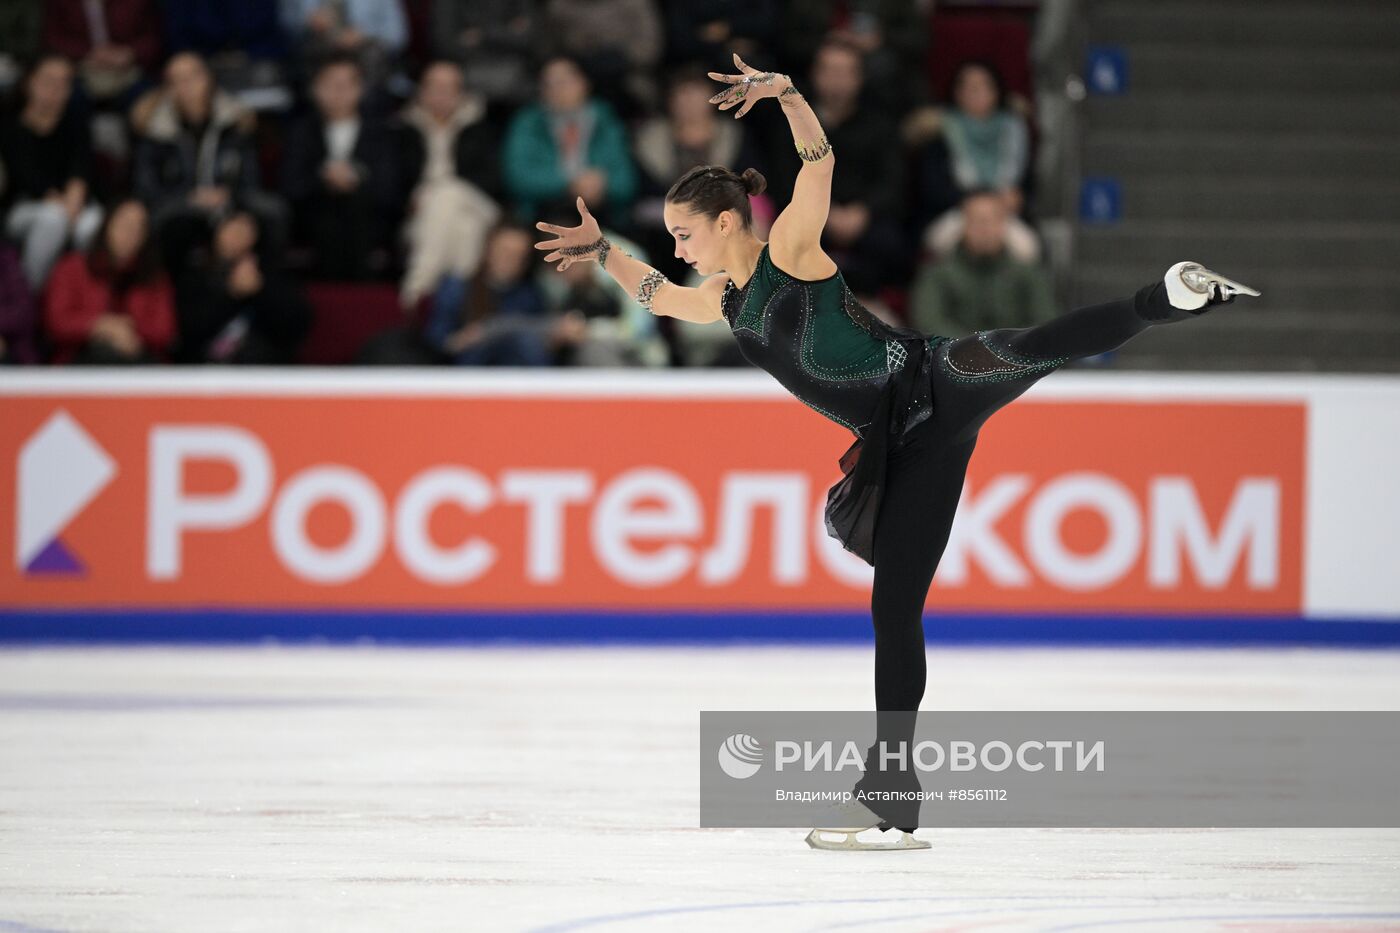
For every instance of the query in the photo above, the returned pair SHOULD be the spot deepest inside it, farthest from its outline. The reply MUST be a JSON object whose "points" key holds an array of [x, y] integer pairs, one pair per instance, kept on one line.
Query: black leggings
{"points": [[973, 376]]}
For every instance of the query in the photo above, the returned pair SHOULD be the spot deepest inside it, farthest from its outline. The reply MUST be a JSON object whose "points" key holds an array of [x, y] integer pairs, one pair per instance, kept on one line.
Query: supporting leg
{"points": [[924, 480]]}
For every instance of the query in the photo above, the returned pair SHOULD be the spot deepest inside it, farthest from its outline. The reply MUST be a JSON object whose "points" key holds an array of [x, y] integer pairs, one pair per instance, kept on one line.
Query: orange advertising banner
{"points": [[611, 501]]}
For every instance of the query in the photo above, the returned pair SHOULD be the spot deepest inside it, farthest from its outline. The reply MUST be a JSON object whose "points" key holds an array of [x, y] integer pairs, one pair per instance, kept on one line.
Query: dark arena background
{"points": [[363, 571]]}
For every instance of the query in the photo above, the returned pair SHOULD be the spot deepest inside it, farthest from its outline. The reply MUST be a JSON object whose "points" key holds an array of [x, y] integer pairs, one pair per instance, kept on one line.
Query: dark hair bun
{"points": [[754, 182]]}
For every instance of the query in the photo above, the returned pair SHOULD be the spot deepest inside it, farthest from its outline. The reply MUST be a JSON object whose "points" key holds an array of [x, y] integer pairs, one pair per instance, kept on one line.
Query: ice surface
{"points": [[516, 788]]}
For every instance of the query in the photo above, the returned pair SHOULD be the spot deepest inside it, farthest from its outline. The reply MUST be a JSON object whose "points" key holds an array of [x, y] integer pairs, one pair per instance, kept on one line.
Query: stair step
{"points": [[1283, 338], [1327, 291], [1376, 115], [1289, 153], [1260, 137], [1189, 66], [1215, 199], [1374, 24], [1242, 247]]}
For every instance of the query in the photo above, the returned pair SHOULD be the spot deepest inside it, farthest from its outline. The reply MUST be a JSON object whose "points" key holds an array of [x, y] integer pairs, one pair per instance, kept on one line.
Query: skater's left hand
{"points": [[748, 87]]}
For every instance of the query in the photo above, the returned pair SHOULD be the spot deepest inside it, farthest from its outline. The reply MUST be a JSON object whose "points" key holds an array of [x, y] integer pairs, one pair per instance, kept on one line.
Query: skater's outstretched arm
{"points": [[586, 243], [794, 241]]}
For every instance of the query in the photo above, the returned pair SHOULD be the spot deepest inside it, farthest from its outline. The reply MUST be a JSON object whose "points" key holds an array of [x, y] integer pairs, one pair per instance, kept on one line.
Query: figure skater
{"points": [[914, 402]]}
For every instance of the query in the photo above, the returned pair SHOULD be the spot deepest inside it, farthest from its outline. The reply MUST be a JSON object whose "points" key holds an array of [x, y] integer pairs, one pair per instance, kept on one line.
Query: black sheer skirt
{"points": [[853, 503]]}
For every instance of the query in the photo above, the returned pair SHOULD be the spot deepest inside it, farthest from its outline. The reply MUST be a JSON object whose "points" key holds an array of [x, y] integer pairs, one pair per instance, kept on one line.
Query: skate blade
{"points": [[850, 843], [1237, 288]]}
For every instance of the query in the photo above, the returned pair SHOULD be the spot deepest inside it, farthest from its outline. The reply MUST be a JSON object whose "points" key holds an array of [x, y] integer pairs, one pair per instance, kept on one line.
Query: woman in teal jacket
{"points": [[568, 145]]}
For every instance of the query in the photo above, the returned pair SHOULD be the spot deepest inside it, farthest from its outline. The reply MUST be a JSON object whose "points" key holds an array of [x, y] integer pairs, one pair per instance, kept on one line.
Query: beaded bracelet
{"points": [[646, 291], [813, 151], [600, 246]]}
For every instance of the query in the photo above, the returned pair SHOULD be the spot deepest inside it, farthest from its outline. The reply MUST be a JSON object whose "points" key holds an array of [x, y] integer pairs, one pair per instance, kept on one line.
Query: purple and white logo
{"points": [[61, 470]]}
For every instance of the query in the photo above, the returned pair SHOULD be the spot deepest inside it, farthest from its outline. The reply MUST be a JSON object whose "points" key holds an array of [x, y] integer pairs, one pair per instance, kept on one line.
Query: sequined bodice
{"points": [[816, 339]]}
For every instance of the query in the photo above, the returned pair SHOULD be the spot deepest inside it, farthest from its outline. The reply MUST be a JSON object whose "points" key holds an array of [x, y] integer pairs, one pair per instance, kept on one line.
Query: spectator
{"points": [[112, 304], [890, 35], [47, 158], [17, 317], [116, 42], [982, 286], [568, 145], [242, 44], [499, 318], [982, 143], [235, 307], [611, 331], [451, 157], [691, 133], [493, 42], [709, 31], [374, 31], [617, 43], [340, 175], [612, 328], [864, 222], [195, 162]]}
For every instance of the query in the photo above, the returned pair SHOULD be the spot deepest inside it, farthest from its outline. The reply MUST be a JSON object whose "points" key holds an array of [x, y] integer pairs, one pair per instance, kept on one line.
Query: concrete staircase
{"points": [[1262, 138]]}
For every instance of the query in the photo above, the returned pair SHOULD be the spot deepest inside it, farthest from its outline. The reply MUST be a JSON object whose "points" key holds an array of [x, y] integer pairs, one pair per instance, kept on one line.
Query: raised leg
{"points": [[980, 373]]}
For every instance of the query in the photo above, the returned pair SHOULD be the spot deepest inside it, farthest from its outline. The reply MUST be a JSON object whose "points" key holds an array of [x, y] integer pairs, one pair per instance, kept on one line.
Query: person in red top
{"points": [[112, 304]]}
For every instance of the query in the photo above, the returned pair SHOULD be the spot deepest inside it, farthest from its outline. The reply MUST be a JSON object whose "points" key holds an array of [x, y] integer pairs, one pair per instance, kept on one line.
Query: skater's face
{"points": [[699, 240]]}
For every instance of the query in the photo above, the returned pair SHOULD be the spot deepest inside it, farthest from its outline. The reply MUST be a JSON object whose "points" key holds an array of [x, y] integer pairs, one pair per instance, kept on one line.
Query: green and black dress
{"points": [[838, 358]]}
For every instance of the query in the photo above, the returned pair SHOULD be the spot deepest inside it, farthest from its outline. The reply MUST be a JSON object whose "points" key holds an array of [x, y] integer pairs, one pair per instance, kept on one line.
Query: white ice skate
{"points": [[1191, 286], [859, 819]]}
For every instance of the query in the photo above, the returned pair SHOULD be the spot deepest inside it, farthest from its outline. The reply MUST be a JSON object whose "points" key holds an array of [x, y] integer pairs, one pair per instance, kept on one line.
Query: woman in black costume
{"points": [[914, 402]]}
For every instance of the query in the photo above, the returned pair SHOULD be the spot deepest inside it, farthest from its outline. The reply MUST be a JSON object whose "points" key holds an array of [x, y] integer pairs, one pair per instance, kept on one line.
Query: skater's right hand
{"points": [[570, 245], [747, 87]]}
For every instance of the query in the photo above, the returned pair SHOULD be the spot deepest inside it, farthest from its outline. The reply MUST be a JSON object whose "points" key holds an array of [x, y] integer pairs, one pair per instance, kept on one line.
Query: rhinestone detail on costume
{"points": [[977, 359], [815, 339]]}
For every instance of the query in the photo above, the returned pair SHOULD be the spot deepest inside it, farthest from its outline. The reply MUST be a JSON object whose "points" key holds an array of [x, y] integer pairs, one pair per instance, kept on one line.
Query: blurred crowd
{"points": [[177, 177]]}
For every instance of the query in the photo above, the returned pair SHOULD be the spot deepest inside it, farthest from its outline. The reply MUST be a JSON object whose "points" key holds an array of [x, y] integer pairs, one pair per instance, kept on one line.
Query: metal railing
{"points": [[1057, 54]]}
